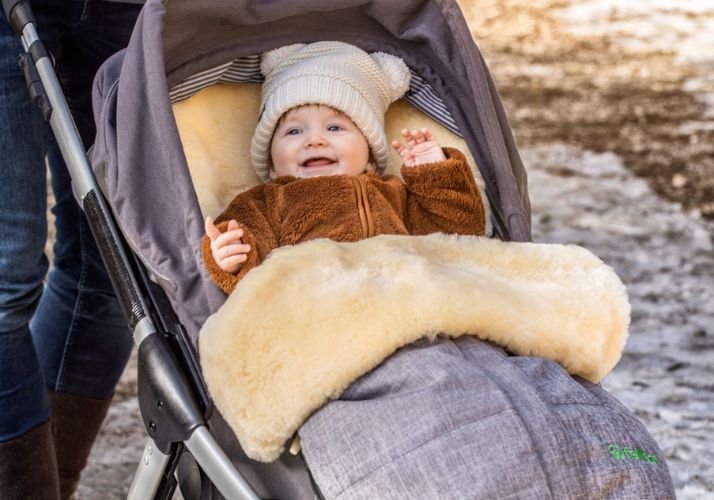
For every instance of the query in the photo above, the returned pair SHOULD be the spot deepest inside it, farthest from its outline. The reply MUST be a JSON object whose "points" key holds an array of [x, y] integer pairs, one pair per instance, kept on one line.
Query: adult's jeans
{"points": [[71, 335]]}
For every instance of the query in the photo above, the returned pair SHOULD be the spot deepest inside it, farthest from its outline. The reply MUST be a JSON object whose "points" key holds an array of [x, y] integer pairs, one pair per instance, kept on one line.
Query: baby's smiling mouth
{"points": [[318, 161]]}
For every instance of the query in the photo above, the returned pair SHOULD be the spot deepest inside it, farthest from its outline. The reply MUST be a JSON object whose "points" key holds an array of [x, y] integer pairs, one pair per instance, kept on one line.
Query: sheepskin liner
{"points": [[314, 317]]}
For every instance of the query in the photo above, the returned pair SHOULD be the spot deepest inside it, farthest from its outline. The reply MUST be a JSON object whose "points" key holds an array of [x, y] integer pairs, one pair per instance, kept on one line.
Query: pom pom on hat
{"points": [[335, 74], [396, 73], [271, 59]]}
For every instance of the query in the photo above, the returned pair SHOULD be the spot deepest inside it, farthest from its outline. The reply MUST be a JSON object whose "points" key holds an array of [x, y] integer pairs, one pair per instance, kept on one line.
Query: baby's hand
{"points": [[227, 248], [421, 147]]}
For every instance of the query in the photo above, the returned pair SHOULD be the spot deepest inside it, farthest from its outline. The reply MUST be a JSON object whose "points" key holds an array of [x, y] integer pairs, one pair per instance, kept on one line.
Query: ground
{"points": [[632, 78], [612, 105]]}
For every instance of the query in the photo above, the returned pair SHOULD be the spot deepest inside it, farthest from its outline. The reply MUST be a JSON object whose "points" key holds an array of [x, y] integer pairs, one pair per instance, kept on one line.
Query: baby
{"points": [[321, 146]]}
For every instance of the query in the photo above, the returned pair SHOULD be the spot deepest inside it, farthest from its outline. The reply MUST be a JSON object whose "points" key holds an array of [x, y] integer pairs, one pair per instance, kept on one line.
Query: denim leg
{"points": [[104, 28], [23, 230], [80, 343], [79, 330]]}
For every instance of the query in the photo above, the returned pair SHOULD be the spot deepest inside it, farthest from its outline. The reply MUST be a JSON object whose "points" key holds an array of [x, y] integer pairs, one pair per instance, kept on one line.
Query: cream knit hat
{"points": [[335, 74]]}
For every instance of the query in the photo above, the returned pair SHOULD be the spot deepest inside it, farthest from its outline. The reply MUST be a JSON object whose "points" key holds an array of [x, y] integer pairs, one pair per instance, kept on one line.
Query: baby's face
{"points": [[317, 140]]}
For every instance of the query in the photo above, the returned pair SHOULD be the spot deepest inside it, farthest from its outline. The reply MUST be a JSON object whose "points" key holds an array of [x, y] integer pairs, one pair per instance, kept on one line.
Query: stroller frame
{"points": [[172, 404]]}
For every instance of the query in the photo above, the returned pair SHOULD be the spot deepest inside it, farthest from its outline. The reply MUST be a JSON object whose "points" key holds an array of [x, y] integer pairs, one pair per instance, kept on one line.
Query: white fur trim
{"points": [[314, 317]]}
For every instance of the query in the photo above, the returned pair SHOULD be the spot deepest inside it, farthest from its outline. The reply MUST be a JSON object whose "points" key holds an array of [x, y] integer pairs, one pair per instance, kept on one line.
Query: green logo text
{"points": [[622, 453]]}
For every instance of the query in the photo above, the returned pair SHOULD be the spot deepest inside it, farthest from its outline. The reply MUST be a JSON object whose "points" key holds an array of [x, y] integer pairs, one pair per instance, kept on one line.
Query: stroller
{"points": [[144, 204]]}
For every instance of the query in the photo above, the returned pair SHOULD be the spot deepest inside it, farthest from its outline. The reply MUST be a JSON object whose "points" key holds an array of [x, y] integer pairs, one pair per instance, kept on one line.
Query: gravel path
{"points": [[615, 123]]}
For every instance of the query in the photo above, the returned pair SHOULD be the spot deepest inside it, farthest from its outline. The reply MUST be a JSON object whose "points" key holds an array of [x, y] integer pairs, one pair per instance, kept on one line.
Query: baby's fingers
{"points": [[418, 136], [228, 238], [235, 259], [230, 250], [409, 137], [427, 134], [211, 230], [403, 151], [232, 264]]}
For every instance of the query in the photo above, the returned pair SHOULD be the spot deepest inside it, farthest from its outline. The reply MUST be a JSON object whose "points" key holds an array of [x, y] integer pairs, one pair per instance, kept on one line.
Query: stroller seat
{"points": [[444, 398], [151, 163]]}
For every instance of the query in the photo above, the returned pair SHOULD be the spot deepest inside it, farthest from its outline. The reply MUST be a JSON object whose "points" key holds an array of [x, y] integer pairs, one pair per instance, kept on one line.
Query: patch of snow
{"points": [[680, 26]]}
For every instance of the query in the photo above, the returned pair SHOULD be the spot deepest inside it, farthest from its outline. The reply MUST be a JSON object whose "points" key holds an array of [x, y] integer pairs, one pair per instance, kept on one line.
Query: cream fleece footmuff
{"points": [[314, 317], [216, 126]]}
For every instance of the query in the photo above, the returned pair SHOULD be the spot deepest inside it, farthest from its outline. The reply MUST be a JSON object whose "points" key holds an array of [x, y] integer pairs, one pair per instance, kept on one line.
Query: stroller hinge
{"points": [[32, 80], [169, 406]]}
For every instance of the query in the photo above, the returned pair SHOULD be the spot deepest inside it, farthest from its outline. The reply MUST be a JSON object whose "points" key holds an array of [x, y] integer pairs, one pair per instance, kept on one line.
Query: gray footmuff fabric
{"points": [[462, 419]]}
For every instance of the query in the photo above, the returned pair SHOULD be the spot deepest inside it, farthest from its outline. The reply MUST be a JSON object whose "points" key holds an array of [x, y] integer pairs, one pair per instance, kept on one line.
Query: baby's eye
{"points": [[292, 131], [334, 128]]}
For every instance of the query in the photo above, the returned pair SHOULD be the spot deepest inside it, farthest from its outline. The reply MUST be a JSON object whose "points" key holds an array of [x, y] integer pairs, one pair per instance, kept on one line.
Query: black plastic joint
{"points": [[37, 50], [18, 14], [168, 405], [35, 87]]}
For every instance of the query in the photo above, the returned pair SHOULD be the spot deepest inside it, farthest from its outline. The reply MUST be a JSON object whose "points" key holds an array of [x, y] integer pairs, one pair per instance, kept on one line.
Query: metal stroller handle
{"points": [[47, 93], [18, 13], [167, 383]]}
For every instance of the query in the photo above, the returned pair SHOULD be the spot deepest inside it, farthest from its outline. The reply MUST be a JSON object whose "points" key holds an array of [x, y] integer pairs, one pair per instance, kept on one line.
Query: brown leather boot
{"points": [[28, 468], [76, 422]]}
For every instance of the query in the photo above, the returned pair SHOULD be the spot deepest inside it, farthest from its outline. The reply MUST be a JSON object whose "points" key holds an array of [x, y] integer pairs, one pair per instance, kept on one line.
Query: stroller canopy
{"points": [[138, 157]]}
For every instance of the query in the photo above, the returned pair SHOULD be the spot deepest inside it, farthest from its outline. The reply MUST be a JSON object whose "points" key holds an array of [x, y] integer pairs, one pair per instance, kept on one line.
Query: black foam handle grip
{"points": [[18, 14], [118, 268]]}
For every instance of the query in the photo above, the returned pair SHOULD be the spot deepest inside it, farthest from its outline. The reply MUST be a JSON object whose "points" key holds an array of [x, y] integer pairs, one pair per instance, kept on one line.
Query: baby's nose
{"points": [[315, 140]]}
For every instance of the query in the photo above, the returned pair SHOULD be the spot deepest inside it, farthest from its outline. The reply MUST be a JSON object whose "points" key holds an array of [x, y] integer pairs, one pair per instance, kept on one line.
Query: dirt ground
{"points": [[613, 109], [593, 74]]}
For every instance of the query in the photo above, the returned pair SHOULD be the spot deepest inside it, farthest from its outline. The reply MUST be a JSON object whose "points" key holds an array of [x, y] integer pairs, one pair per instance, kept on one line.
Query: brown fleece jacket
{"points": [[439, 197]]}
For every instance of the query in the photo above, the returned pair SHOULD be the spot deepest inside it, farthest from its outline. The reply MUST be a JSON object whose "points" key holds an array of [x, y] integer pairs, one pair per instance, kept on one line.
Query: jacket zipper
{"points": [[363, 209]]}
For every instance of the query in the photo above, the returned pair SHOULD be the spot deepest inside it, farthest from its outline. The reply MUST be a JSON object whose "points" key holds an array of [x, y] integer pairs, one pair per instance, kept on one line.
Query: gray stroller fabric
{"points": [[463, 420], [138, 157]]}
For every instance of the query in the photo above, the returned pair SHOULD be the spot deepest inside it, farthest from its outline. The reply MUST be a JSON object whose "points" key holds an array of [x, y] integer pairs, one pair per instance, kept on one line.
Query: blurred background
{"points": [[612, 105]]}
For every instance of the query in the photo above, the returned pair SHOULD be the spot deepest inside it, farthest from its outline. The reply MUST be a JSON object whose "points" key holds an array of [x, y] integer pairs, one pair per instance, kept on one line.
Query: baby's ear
{"points": [[396, 73], [274, 57], [371, 164]]}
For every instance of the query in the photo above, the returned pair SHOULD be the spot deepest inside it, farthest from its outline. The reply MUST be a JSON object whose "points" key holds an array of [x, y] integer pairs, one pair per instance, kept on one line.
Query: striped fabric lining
{"points": [[247, 70]]}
